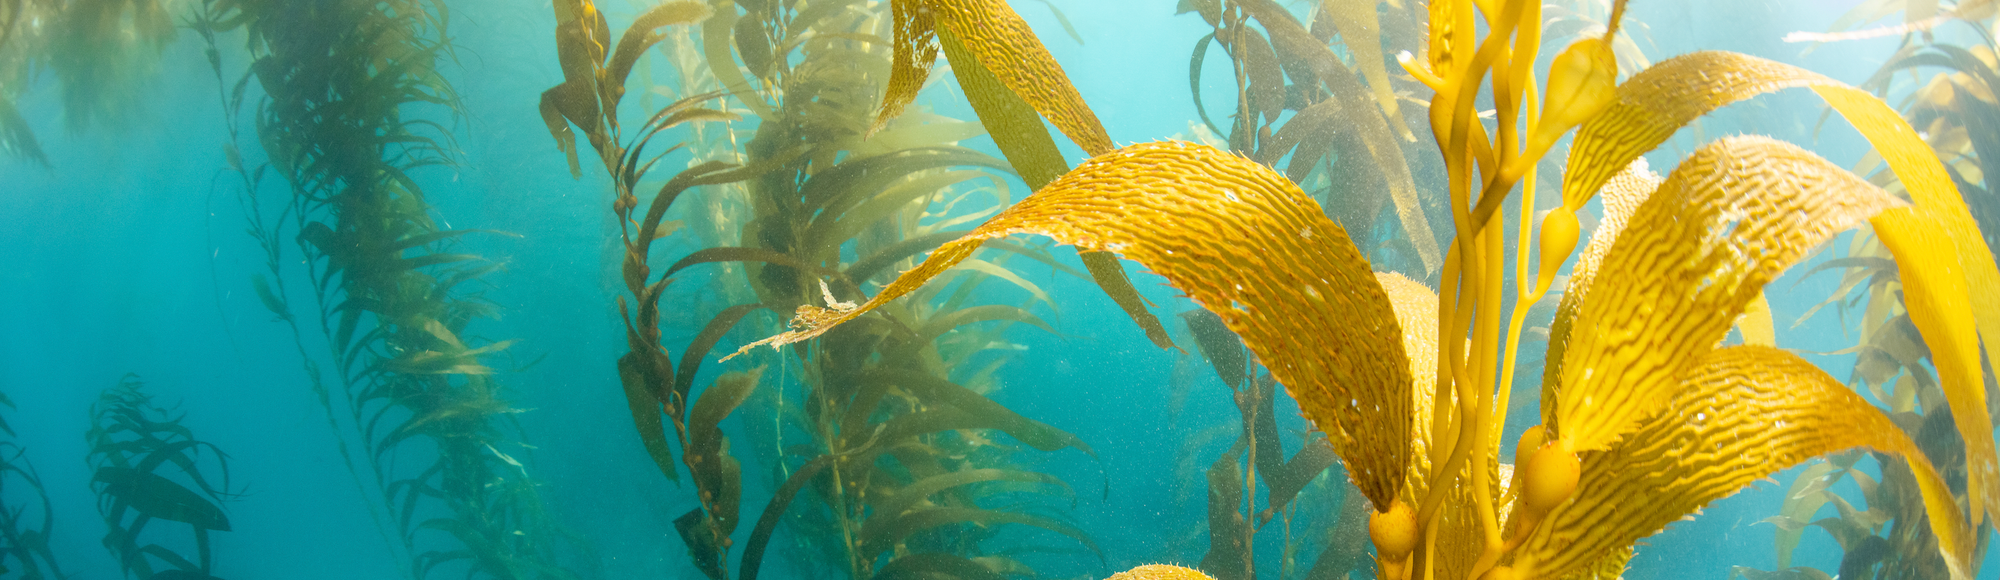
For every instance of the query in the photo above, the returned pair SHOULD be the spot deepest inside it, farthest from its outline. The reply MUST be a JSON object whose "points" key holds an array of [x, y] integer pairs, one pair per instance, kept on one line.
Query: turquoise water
{"points": [[127, 253]]}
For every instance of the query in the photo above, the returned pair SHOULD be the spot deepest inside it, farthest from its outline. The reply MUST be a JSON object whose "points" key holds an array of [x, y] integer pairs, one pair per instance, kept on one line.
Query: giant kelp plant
{"points": [[1645, 417], [881, 428], [342, 123], [147, 469]]}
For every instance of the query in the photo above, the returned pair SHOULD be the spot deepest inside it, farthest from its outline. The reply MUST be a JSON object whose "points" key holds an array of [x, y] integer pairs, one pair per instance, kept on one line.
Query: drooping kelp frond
{"points": [[1936, 230], [133, 441], [1464, 524], [24, 526], [1113, 202]]}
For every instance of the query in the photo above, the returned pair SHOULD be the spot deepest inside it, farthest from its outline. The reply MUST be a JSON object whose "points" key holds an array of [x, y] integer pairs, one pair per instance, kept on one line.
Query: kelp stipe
{"points": [[342, 125], [24, 525], [148, 469], [1613, 401], [885, 471]]}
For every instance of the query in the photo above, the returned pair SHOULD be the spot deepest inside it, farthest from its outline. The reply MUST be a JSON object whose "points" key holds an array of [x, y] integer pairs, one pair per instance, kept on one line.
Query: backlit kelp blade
{"points": [[1955, 296], [1250, 246], [1729, 219], [993, 34], [1741, 414]]}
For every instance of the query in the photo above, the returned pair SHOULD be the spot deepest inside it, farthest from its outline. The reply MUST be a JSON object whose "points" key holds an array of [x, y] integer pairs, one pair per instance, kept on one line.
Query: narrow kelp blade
{"points": [[1956, 294], [999, 39], [161, 498], [1248, 245], [1740, 414], [1729, 219]]}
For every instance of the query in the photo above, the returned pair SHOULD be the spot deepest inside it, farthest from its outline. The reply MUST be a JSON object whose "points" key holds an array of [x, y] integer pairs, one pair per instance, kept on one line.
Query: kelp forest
{"points": [[985, 290]]}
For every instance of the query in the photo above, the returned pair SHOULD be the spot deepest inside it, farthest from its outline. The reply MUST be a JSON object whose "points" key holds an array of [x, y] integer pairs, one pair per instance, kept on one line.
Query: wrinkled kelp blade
{"points": [[1247, 244], [1939, 231], [1003, 43], [1416, 307], [1729, 219], [915, 53], [1740, 414], [1622, 197]]}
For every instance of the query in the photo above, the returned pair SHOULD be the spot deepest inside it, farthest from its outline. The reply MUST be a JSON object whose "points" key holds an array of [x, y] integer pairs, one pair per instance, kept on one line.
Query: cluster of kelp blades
{"points": [[147, 468], [132, 442], [345, 85], [1953, 101], [1645, 418], [903, 488]]}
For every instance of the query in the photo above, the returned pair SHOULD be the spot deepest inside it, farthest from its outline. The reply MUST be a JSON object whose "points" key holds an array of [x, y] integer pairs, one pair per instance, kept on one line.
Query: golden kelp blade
{"points": [[1245, 242], [1160, 572], [1951, 283], [1657, 101], [1622, 197], [1738, 415], [991, 31], [1733, 216], [1416, 307]]}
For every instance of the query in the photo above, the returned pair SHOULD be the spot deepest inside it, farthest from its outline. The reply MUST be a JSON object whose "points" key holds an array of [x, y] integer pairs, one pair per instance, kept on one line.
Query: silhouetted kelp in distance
{"points": [[133, 442], [887, 459], [345, 84], [1645, 418], [24, 543]]}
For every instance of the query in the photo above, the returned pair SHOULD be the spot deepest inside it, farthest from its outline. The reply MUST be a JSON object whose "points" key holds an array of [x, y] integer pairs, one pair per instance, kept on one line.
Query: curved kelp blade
{"points": [[1622, 197], [1248, 245], [1956, 293], [1000, 40], [1416, 307], [1732, 217], [1739, 415], [160, 498]]}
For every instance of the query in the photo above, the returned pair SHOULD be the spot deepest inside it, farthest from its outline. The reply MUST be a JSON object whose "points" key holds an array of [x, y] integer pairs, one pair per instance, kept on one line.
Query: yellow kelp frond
{"points": [[1416, 312], [1658, 101], [992, 32], [1160, 572], [1936, 233], [1739, 414], [1622, 196], [1951, 283], [1246, 243], [1733, 216]]}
